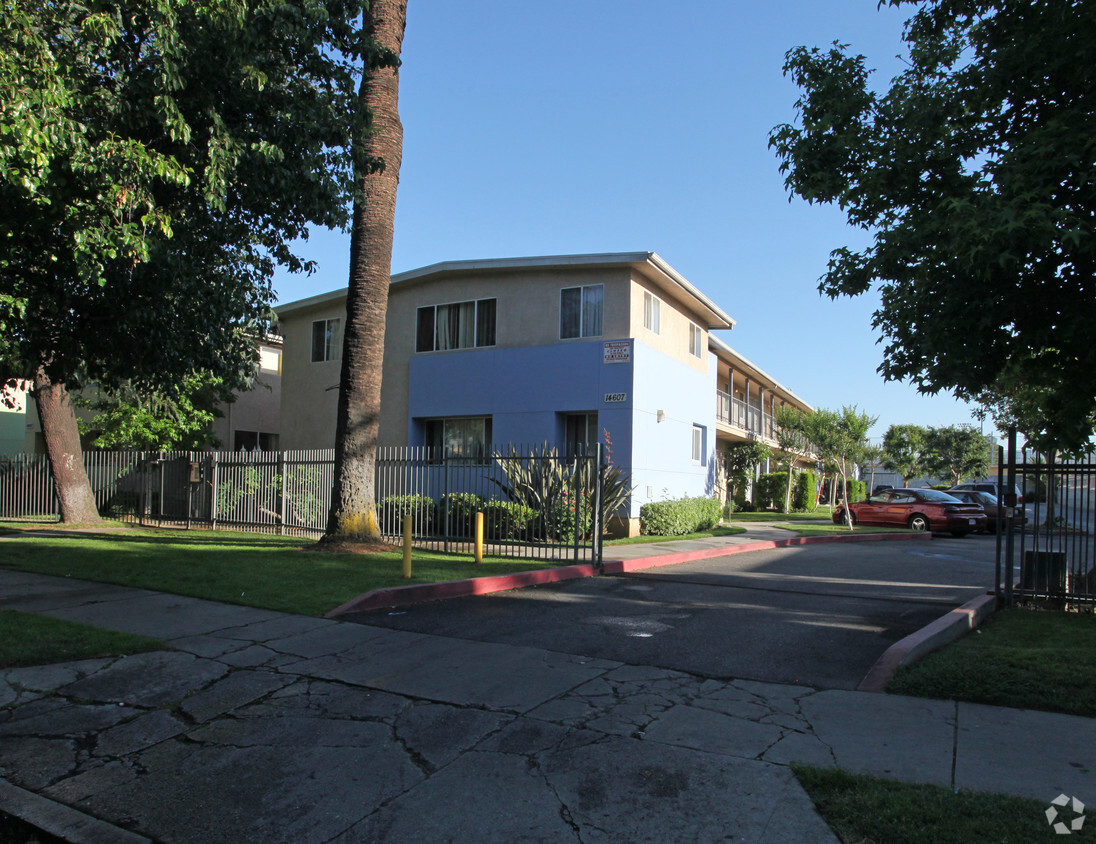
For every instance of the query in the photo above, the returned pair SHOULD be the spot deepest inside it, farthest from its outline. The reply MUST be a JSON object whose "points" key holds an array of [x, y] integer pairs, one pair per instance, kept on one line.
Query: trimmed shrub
{"points": [[393, 508], [562, 517], [462, 508], [508, 520], [858, 490], [804, 491], [680, 516], [769, 491]]}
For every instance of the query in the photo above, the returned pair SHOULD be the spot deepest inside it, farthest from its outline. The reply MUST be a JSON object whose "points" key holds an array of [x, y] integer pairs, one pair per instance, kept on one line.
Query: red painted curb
{"points": [[621, 566], [929, 638], [401, 596]]}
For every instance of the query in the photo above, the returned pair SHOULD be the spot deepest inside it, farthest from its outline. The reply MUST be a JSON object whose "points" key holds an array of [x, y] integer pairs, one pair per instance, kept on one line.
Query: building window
{"points": [[326, 340], [468, 438], [580, 311], [652, 313], [270, 360], [254, 441], [458, 325], [581, 433], [696, 340], [698, 444]]}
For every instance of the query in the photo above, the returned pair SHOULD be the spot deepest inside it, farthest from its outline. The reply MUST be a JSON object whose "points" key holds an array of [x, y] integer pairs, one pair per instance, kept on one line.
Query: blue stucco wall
{"points": [[527, 390], [524, 390]]}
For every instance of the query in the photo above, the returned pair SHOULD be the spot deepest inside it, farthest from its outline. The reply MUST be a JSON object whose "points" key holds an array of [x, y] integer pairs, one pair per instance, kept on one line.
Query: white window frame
{"points": [[584, 329], [332, 343], [652, 312], [696, 340], [698, 444]]}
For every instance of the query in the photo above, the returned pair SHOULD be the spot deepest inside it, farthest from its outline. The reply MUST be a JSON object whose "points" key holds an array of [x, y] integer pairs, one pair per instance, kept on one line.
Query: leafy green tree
{"points": [[157, 160], [839, 438], [380, 144], [954, 453], [739, 460], [871, 456], [903, 446], [127, 420], [973, 174], [793, 441]]}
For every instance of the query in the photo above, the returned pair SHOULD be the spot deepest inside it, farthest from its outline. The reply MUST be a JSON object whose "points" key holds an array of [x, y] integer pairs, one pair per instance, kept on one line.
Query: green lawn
{"points": [[836, 530], [259, 570], [1024, 658], [820, 513], [862, 809], [28, 639]]}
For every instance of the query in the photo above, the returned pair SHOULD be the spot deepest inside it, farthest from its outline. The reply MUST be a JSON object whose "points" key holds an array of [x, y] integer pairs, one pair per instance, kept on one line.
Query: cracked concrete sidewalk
{"points": [[262, 726]]}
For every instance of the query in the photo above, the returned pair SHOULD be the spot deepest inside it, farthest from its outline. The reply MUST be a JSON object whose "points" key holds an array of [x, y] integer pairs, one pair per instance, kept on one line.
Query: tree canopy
{"points": [[157, 160], [976, 175], [903, 446], [954, 453]]}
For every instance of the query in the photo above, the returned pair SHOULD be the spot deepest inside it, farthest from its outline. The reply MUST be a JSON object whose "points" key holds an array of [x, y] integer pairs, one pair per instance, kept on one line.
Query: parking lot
{"points": [[815, 615]]}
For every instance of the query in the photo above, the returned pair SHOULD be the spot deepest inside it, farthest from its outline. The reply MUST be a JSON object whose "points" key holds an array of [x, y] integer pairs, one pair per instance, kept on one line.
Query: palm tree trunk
{"points": [[353, 508]]}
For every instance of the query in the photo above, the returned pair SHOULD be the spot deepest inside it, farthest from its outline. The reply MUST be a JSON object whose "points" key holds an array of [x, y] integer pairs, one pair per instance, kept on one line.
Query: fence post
{"points": [[283, 503], [479, 537], [1010, 545], [599, 511], [213, 494]]}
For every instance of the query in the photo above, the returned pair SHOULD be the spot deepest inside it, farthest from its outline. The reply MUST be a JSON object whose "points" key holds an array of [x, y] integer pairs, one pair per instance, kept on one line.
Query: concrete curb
{"points": [[622, 566], [402, 596], [929, 638], [62, 821]]}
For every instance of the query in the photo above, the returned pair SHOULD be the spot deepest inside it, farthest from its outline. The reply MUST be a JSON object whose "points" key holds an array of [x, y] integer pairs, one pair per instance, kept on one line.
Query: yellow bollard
{"points": [[407, 546], [479, 537]]}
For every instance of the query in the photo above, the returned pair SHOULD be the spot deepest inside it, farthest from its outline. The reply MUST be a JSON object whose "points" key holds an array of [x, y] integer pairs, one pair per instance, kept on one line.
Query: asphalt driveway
{"points": [[815, 615]]}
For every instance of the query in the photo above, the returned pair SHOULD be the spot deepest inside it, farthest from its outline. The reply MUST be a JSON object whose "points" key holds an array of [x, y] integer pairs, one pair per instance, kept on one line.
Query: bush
{"points": [[858, 490], [508, 520], [562, 517], [679, 517], [769, 491], [393, 508], [462, 509], [804, 492]]}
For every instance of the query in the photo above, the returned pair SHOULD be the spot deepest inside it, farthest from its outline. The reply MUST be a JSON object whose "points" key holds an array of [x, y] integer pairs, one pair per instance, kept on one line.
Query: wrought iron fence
{"points": [[1046, 552], [535, 502]]}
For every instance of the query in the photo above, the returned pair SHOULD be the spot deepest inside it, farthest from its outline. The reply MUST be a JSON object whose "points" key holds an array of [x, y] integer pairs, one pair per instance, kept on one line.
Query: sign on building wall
{"points": [[618, 351]]}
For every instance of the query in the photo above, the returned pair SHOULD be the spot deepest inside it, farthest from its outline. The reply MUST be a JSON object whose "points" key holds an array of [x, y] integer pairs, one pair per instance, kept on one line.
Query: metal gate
{"points": [[1045, 551]]}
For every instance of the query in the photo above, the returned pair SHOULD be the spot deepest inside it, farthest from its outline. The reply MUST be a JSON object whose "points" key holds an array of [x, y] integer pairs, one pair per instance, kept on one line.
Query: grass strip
{"points": [[764, 516], [28, 639], [862, 809], [258, 570], [1025, 658]]}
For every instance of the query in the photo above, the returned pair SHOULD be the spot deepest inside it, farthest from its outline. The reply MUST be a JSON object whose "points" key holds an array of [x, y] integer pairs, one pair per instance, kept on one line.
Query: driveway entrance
{"points": [[816, 615]]}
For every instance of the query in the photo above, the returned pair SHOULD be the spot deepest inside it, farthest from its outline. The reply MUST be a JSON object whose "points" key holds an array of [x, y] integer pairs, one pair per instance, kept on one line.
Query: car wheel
{"points": [[918, 521]]}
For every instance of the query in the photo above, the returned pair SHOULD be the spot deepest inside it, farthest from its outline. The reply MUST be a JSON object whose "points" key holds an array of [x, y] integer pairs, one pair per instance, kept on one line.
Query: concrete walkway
{"points": [[267, 727]]}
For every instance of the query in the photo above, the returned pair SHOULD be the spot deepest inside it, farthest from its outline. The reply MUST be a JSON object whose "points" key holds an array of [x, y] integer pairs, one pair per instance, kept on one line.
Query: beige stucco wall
{"points": [[258, 409], [673, 336], [527, 314], [309, 390]]}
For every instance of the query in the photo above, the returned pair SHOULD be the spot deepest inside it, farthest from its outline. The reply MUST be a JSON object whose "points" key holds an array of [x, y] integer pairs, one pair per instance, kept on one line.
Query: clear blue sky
{"points": [[624, 125]]}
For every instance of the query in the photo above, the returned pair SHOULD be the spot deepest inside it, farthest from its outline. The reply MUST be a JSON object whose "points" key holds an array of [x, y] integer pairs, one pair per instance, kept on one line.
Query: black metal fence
{"points": [[534, 501], [1046, 552]]}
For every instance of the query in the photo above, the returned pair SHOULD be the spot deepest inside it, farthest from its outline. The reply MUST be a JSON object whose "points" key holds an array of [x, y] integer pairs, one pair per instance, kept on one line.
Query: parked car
{"points": [[881, 488], [989, 504], [992, 488], [917, 509]]}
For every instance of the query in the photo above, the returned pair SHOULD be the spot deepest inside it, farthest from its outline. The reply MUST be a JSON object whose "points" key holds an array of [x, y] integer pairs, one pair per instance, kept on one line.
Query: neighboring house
{"points": [[13, 417], [250, 422], [560, 349]]}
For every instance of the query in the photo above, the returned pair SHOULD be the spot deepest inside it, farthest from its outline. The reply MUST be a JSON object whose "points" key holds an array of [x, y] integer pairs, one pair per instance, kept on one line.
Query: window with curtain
{"points": [[458, 325], [463, 438], [580, 311], [326, 340]]}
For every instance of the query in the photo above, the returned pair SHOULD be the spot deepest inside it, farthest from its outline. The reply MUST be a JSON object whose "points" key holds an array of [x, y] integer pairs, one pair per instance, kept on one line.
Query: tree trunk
{"points": [[353, 508], [66, 458]]}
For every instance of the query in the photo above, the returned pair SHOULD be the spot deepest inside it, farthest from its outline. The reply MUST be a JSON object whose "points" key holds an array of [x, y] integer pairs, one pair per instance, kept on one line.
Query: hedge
{"points": [[680, 516]]}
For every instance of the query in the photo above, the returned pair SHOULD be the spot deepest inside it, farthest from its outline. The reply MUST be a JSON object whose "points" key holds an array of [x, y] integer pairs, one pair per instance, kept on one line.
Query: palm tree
{"points": [[353, 509]]}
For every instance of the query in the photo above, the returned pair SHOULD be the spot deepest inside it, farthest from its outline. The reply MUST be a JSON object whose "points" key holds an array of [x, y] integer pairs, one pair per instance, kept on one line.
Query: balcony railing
{"points": [[738, 414]]}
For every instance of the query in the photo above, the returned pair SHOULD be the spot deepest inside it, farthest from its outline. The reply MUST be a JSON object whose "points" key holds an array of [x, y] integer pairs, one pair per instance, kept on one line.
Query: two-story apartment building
{"points": [[557, 349]]}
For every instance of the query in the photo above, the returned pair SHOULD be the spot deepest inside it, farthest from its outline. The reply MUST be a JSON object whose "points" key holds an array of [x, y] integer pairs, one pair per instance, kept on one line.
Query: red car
{"points": [[917, 509]]}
